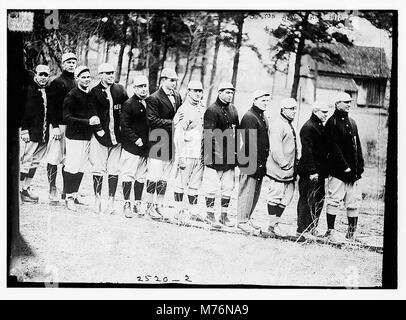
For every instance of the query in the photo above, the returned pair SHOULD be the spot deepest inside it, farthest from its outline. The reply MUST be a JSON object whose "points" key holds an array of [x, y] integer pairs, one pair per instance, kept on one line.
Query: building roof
{"points": [[357, 61], [336, 83]]}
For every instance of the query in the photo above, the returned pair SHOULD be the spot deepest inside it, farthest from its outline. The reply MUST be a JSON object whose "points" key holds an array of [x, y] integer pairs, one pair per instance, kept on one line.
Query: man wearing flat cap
{"points": [[281, 164], [250, 179], [161, 108], [106, 99], [345, 166], [312, 170], [34, 131], [58, 89], [134, 141], [80, 123], [188, 139], [220, 123]]}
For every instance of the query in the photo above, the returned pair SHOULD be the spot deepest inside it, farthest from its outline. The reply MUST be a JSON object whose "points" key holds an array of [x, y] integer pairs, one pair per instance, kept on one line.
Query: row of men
{"points": [[115, 133]]}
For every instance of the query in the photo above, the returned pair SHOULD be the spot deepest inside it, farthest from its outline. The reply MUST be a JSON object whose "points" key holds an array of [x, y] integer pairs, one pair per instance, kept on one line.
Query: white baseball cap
{"points": [[342, 96], [42, 68], [226, 85], [288, 103], [67, 56], [139, 80], [194, 84], [79, 70], [106, 67], [259, 93], [318, 105], [169, 73]]}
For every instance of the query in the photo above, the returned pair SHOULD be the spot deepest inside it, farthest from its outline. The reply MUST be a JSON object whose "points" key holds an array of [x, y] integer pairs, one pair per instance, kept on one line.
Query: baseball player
{"points": [[134, 141], [79, 119], [106, 99], [250, 182], [161, 108], [58, 89], [219, 174], [281, 164], [312, 170], [34, 131], [345, 167], [188, 139]]}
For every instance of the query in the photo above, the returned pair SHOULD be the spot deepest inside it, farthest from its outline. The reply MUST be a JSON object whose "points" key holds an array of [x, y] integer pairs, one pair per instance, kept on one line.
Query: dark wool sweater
{"points": [[76, 114], [34, 119], [134, 126], [344, 147], [58, 89]]}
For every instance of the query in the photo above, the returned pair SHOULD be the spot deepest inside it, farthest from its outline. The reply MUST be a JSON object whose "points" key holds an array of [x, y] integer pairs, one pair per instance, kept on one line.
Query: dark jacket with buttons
{"points": [[76, 114], [344, 147], [133, 123], [160, 113], [255, 119], [35, 119], [58, 89], [314, 149], [223, 117], [101, 106]]}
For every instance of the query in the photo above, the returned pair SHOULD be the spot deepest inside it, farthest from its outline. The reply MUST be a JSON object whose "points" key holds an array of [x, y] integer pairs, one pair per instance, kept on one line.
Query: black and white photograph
{"points": [[202, 148]]}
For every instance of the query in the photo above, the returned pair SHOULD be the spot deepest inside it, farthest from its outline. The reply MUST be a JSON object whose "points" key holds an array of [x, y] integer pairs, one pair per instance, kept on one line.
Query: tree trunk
{"points": [[120, 62], [187, 60], [166, 44], [154, 55], [177, 59], [215, 56], [130, 57], [204, 60], [240, 23], [87, 48], [298, 58], [107, 52]]}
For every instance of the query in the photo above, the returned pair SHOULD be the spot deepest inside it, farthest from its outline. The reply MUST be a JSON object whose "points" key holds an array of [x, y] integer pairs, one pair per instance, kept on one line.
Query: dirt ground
{"points": [[88, 248]]}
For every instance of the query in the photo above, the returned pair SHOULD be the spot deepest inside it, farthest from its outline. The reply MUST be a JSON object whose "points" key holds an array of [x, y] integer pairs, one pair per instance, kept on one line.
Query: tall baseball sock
{"points": [[160, 191], [225, 202], [63, 178], [279, 211], [52, 171], [28, 178], [192, 203], [138, 188], [69, 183], [97, 184], [149, 197], [330, 221], [113, 181], [178, 200], [22, 178], [78, 180], [272, 210], [352, 224], [210, 205], [126, 190]]}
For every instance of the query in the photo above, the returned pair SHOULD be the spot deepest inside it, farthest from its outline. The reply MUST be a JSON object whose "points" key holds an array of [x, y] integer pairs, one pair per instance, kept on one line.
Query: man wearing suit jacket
{"points": [[105, 149], [134, 140], [161, 108]]}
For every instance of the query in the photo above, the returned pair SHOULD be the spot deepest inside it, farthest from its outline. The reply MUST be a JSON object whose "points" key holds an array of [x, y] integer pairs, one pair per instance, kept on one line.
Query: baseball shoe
{"points": [[314, 232], [28, 196], [211, 219], [278, 230], [97, 207], [127, 210], [350, 236], [246, 227], [110, 206], [53, 196], [197, 217], [253, 225], [70, 204], [80, 200], [137, 209], [225, 221], [154, 212], [329, 236]]}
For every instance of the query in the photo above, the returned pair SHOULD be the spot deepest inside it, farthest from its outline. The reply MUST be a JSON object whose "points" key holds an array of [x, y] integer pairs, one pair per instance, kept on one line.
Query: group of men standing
{"points": [[146, 138]]}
